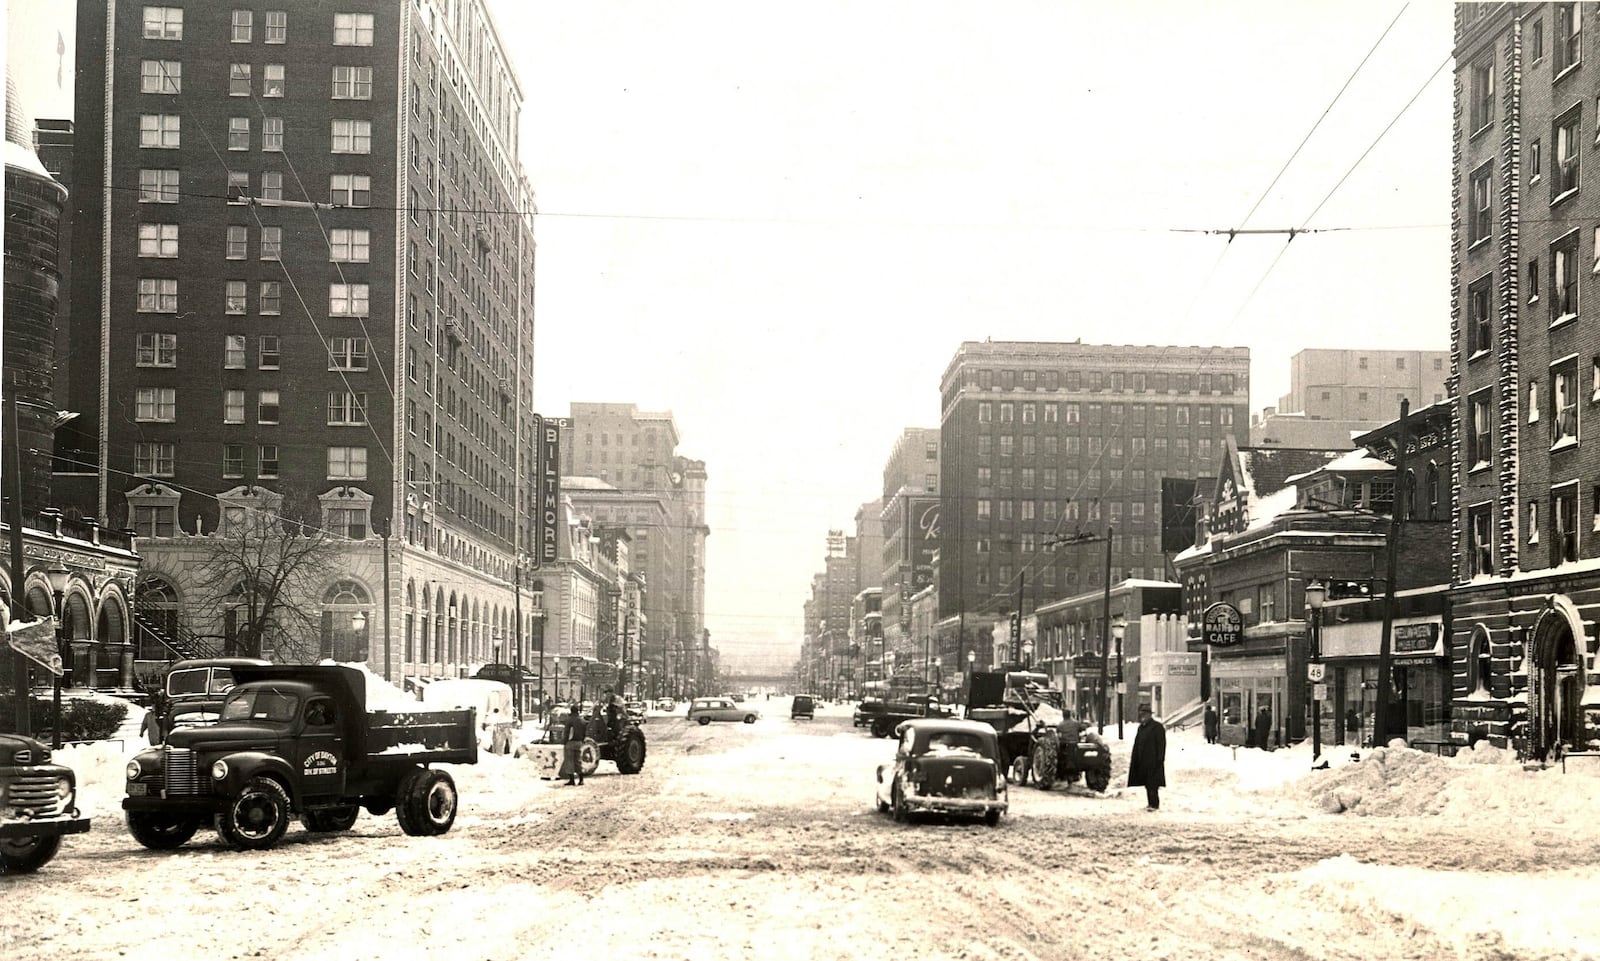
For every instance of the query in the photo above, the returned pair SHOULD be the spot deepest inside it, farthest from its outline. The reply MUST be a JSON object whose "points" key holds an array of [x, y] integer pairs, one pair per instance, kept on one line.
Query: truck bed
{"points": [[435, 737]]}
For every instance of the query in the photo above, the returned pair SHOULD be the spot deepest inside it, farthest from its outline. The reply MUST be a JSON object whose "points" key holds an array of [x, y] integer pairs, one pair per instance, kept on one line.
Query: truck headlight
{"points": [[219, 770], [134, 770], [63, 788]]}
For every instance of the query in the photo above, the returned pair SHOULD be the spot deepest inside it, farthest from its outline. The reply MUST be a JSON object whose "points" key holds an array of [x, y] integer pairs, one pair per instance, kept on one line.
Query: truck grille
{"points": [[36, 793], [180, 774]]}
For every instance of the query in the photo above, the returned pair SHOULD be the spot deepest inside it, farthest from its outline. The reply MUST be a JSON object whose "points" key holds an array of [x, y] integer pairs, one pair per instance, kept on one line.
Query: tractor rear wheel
{"points": [[630, 753], [1097, 780], [1045, 755]]}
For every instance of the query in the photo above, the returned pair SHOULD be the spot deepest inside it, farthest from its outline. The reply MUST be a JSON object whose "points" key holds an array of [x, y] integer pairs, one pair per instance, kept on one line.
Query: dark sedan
{"points": [[944, 766]]}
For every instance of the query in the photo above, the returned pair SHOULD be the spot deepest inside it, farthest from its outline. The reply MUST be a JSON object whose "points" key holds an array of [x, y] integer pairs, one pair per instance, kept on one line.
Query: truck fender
{"points": [[248, 764]]}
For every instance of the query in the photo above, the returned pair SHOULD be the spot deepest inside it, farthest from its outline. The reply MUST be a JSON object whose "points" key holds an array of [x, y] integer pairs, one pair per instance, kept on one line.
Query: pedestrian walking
{"points": [[572, 760], [1263, 729], [1352, 726], [1211, 724], [1147, 765]]}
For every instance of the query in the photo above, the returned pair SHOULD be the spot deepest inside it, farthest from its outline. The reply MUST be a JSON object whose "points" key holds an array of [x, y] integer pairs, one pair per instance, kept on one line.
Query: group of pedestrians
{"points": [[1260, 734]]}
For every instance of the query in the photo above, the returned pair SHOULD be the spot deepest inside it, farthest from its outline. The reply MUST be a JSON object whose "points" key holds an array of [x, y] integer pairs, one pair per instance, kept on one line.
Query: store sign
{"points": [[1086, 665], [1190, 669], [547, 467], [1222, 625], [923, 540], [1415, 638]]}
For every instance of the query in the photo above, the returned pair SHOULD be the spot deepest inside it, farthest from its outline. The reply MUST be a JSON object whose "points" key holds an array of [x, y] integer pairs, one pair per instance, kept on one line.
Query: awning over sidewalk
{"points": [[1414, 640]]}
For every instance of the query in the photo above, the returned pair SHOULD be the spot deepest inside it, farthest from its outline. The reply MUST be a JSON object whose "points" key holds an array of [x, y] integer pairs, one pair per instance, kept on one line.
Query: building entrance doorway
{"points": [[1555, 686]]}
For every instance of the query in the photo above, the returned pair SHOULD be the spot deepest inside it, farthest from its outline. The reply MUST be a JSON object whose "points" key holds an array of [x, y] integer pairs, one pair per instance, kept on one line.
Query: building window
{"points": [[233, 352], [238, 243], [1481, 546], [158, 186], [347, 463], [232, 460], [352, 136], [234, 297], [1007, 412], [155, 405], [1030, 413], [233, 407], [154, 520], [160, 76], [350, 190], [163, 23], [243, 22], [1479, 448], [349, 245], [271, 243], [1564, 278], [1564, 403], [1481, 218], [267, 354], [272, 134], [238, 133], [1052, 413], [347, 408], [158, 240], [1479, 326], [239, 80], [1568, 47], [153, 459], [347, 353], [159, 131], [985, 412], [1533, 402], [1564, 171], [352, 83], [348, 522], [1536, 41], [238, 187], [267, 460], [1564, 517], [347, 300], [271, 298], [1533, 522], [352, 29], [272, 80], [272, 185], [1535, 160], [156, 350], [267, 407], [277, 26], [158, 296], [984, 508], [1482, 93]]}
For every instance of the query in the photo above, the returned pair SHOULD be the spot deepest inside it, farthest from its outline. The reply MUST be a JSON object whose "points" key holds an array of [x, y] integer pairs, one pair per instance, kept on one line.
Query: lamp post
{"points": [[58, 576], [1316, 596], [972, 661], [1119, 627], [358, 623], [1027, 654]]}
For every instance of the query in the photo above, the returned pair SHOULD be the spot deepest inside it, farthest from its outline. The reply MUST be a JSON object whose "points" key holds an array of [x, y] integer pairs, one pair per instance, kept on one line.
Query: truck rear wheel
{"points": [[1045, 754], [630, 753], [341, 818], [161, 832], [428, 801], [255, 819], [880, 728], [23, 855]]}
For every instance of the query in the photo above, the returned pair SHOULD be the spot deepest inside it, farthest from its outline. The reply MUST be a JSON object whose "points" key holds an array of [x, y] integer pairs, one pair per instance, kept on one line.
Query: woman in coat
{"points": [[1147, 765]]}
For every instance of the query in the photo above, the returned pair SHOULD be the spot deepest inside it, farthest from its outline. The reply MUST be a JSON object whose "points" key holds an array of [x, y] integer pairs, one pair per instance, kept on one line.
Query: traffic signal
{"points": [[1343, 590]]}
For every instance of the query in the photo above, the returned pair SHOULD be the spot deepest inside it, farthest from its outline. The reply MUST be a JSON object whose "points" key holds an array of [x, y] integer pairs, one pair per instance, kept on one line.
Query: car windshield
{"points": [[180, 683], [261, 704]]}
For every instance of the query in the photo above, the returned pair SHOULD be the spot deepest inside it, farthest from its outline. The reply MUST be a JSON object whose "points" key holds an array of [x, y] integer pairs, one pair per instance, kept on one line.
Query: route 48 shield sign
{"points": [[1222, 625]]}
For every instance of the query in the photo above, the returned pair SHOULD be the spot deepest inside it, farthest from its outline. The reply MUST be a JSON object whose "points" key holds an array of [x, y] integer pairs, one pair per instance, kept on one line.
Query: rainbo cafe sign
{"points": [[1221, 625]]}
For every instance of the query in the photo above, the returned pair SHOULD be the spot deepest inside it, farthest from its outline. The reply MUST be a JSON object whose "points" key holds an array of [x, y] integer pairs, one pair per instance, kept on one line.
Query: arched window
{"points": [[346, 621], [1433, 490], [1410, 499], [1480, 662]]}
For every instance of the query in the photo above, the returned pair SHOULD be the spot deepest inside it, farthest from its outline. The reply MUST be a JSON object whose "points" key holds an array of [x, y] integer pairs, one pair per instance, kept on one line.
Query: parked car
{"points": [[803, 706], [635, 711], [191, 693], [944, 766], [666, 705], [704, 710]]}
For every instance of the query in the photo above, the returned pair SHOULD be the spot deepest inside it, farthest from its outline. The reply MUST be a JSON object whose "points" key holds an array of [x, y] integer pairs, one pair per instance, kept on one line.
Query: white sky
{"points": [[779, 222]]}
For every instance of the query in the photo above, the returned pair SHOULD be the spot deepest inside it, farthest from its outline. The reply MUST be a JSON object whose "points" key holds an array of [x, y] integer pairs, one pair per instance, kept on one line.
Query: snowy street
{"points": [[761, 841]]}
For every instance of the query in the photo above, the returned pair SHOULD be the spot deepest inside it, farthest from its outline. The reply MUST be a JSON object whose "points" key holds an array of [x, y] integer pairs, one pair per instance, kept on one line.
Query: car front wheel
{"points": [[705, 719], [749, 718]]}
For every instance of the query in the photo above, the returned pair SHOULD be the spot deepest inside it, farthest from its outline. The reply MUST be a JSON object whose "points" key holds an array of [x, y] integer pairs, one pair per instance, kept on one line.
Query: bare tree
{"points": [[268, 567]]}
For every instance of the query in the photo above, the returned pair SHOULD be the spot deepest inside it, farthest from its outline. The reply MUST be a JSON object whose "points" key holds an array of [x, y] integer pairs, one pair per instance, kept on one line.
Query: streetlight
{"points": [[58, 576], [1119, 627], [972, 661], [1316, 596], [1027, 654], [358, 623]]}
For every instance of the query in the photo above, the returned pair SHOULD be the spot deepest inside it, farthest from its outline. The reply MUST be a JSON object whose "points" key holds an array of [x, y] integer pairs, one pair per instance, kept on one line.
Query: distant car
{"points": [[944, 766], [803, 706], [635, 711], [737, 698], [704, 710], [666, 704], [866, 711]]}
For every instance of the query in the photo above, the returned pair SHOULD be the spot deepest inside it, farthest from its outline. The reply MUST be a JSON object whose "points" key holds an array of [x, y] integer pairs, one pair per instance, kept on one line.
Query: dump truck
{"points": [[298, 741]]}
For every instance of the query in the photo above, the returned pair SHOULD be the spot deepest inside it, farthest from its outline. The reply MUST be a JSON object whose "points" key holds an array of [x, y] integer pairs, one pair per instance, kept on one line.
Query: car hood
{"points": [[230, 737]]}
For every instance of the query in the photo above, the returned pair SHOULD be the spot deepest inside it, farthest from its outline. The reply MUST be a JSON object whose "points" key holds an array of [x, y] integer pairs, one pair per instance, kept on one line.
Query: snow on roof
{"points": [[1355, 461]]}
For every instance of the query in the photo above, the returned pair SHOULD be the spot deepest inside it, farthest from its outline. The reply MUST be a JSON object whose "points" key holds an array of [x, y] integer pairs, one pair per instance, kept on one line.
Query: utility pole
{"points": [[1016, 631], [13, 481], [1391, 554], [1105, 635]]}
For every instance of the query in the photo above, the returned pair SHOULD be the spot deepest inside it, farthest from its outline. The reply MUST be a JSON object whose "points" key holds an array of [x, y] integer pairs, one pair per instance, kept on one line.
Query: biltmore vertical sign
{"points": [[547, 496]]}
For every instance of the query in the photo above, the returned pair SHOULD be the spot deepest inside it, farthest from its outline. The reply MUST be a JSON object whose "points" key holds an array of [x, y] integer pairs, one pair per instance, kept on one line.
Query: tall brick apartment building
{"points": [[1525, 372], [303, 276], [1043, 440]]}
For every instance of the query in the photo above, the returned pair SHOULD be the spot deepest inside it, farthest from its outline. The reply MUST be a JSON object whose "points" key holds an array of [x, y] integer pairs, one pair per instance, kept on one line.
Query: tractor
{"points": [[1037, 737]]}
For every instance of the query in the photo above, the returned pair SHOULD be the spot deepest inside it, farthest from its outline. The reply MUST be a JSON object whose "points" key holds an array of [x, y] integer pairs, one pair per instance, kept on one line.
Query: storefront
{"points": [[1243, 687], [1420, 676]]}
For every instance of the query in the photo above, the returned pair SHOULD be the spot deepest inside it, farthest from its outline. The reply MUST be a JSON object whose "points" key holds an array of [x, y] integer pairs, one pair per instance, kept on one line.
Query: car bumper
{"points": [[43, 827], [922, 804]]}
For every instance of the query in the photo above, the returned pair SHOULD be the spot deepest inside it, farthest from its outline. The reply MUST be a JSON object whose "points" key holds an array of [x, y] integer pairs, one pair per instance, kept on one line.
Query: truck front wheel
{"points": [[256, 819], [22, 855], [427, 803], [161, 832]]}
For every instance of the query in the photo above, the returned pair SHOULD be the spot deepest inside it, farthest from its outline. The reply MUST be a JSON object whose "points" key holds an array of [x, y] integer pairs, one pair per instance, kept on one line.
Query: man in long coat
{"points": [[1148, 764]]}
